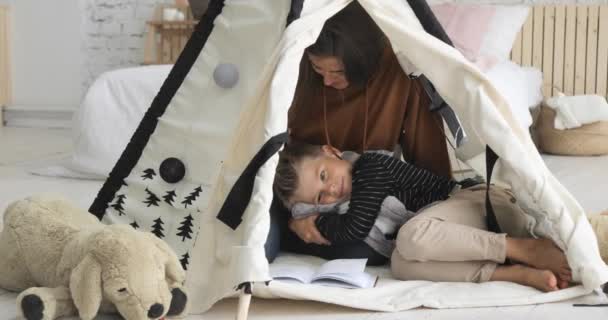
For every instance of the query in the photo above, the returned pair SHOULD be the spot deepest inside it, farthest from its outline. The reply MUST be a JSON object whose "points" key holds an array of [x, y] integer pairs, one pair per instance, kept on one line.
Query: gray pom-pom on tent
{"points": [[198, 171]]}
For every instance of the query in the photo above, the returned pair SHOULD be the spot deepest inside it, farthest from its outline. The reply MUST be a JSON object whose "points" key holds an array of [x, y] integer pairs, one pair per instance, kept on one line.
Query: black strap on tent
{"points": [[245, 286], [446, 112], [295, 10], [432, 26], [237, 200], [144, 131], [428, 20], [491, 158]]}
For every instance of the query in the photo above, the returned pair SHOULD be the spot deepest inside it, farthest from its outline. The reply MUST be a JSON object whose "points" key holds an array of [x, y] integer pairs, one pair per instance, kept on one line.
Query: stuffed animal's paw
{"points": [[32, 307], [39, 303], [36, 305]]}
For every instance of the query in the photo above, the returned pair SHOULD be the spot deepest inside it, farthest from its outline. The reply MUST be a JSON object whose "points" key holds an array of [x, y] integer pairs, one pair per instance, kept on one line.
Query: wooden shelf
{"points": [[166, 39]]}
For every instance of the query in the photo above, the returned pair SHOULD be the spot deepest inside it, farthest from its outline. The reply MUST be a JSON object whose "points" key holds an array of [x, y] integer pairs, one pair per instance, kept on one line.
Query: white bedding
{"points": [[109, 114], [394, 295]]}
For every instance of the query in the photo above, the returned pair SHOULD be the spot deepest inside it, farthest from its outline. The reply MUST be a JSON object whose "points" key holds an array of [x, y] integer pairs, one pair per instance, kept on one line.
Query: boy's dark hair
{"points": [[353, 36], [286, 177]]}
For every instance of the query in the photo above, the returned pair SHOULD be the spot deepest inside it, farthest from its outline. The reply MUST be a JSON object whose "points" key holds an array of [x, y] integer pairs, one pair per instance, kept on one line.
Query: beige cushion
{"points": [[588, 140], [599, 223]]}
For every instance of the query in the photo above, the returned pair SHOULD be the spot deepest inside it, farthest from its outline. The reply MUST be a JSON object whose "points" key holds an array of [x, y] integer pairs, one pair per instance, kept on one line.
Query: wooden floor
{"points": [[26, 148]]}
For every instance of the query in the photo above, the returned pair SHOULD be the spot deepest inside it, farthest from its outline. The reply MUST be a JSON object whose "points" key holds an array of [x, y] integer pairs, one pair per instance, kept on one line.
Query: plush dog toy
{"points": [[66, 262]]}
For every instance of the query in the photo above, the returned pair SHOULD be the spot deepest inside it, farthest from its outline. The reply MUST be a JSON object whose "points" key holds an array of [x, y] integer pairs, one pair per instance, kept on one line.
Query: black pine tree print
{"points": [[184, 261], [170, 197], [148, 174], [119, 204], [185, 231], [134, 225], [189, 199], [157, 228], [152, 199]]}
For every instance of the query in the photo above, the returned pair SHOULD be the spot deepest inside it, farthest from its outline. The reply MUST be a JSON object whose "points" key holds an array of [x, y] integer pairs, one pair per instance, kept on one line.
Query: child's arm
{"points": [[372, 183], [420, 187]]}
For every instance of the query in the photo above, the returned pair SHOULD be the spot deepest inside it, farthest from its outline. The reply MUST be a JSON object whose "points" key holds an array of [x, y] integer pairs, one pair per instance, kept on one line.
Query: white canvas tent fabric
{"points": [[216, 132]]}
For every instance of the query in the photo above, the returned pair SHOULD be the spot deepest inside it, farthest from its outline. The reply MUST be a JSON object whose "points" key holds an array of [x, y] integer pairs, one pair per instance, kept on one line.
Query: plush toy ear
{"points": [[85, 287], [173, 269]]}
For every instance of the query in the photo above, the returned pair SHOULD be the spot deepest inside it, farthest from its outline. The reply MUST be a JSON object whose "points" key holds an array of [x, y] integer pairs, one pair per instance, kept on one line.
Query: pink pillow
{"points": [[483, 33], [467, 28]]}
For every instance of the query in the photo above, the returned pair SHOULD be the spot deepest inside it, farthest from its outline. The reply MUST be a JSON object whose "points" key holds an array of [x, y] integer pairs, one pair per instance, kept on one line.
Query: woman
{"points": [[353, 94]]}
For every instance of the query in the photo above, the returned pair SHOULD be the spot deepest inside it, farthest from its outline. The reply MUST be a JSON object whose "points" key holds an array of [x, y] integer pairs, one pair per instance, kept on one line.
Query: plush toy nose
{"points": [[156, 310]]}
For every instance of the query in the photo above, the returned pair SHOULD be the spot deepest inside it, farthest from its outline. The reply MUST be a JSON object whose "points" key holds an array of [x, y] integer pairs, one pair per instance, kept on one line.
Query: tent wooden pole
{"points": [[244, 303]]}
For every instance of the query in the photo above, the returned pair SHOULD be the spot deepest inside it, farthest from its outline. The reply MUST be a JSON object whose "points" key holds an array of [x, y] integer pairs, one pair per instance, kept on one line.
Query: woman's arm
{"points": [[306, 230]]}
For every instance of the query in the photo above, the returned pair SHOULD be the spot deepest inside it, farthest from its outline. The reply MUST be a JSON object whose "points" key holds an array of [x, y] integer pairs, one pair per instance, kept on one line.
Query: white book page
{"points": [[301, 273], [347, 280], [350, 271], [342, 266]]}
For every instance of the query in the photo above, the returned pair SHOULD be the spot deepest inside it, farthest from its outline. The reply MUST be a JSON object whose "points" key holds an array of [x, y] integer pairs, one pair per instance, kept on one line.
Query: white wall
{"points": [[46, 55], [113, 34], [60, 46]]}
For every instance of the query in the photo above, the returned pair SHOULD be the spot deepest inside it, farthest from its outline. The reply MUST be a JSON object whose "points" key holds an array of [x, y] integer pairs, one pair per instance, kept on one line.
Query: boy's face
{"points": [[323, 179]]}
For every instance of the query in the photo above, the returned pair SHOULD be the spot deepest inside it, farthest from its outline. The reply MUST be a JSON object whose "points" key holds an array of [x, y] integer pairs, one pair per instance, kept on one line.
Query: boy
{"points": [[443, 242], [366, 182]]}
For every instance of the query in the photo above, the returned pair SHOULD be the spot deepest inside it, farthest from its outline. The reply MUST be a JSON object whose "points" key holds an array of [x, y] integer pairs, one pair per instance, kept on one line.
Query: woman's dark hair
{"points": [[354, 37]]}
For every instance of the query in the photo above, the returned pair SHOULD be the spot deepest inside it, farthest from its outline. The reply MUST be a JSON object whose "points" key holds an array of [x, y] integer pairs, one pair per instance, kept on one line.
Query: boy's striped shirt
{"points": [[375, 177]]}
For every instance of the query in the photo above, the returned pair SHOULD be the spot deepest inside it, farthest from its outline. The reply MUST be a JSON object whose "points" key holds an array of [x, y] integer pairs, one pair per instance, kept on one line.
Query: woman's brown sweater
{"points": [[397, 111]]}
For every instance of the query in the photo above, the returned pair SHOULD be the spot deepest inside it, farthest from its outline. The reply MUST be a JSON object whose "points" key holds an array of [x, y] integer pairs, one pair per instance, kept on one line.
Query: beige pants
{"points": [[448, 241]]}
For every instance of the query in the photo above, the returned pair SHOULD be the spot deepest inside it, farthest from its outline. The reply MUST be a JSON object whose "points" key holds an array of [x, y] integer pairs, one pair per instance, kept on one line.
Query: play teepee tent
{"points": [[198, 171]]}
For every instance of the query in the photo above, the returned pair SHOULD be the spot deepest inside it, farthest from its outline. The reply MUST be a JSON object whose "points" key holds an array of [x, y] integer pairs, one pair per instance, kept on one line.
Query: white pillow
{"points": [[484, 34], [109, 114], [502, 32], [520, 86]]}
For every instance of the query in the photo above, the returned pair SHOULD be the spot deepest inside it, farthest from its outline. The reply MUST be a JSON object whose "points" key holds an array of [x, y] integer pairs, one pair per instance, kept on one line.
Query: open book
{"points": [[343, 273]]}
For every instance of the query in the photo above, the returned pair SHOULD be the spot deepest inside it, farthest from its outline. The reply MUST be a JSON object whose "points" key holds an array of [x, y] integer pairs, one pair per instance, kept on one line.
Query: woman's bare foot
{"points": [[541, 254], [543, 280]]}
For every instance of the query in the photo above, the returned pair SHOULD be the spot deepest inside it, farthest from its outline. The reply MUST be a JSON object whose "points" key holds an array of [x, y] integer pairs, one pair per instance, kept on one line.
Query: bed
{"points": [[584, 177], [121, 95]]}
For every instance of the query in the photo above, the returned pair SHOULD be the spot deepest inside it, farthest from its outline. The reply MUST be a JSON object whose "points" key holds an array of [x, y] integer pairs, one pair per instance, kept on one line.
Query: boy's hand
{"points": [[306, 229]]}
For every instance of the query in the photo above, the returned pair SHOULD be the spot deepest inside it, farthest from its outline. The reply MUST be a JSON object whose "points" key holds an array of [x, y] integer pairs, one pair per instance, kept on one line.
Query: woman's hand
{"points": [[306, 229]]}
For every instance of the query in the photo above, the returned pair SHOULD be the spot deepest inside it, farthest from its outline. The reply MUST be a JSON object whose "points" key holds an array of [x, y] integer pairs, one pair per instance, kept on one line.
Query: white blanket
{"points": [[575, 111], [395, 295], [109, 114]]}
